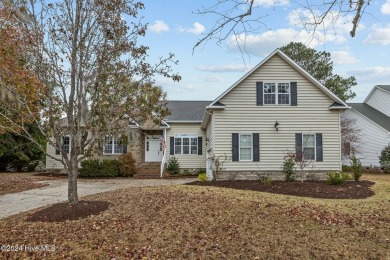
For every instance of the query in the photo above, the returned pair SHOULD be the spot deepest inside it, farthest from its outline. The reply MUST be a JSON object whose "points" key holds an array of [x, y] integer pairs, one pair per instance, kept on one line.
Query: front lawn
{"points": [[20, 181], [194, 222]]}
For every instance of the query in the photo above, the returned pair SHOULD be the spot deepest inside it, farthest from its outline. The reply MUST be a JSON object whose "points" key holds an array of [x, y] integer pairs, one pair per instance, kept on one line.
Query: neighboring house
{"points": [[275, 109], [372, 117]]}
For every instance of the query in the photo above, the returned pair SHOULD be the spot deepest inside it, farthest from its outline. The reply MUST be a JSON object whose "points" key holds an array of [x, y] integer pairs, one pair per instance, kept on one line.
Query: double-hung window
{"points": [[65, 143], [245, 147], [276, 93], [186, 144], [112, 145], [309, 147]]}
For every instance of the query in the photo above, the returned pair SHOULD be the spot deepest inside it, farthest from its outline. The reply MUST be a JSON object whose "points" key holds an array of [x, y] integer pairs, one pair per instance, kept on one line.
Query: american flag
{"points": [[163, 145]]}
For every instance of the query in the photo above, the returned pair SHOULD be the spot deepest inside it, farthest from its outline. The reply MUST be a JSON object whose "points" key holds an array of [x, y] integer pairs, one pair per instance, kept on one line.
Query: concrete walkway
{"points": [[57, 191]]}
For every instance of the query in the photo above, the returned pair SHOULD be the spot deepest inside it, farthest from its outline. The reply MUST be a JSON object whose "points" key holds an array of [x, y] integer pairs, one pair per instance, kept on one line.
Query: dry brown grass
{"points": [[20, 181], [185, 222]]}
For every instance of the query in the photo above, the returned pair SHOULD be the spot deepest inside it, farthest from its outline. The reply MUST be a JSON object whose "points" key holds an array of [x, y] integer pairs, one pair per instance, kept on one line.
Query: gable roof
{"points": [[186, 111], [371, 113], [292, 63], [385, 88]]}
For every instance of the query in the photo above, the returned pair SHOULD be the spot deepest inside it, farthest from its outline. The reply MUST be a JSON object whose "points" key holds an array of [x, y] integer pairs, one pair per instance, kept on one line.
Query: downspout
{"points": [[164, 153]]}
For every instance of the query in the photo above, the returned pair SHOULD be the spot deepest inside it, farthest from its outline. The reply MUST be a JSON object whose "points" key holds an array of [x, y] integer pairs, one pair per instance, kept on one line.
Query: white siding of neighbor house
{"points": [[242, 115], [52, 164], [380, 100], [187, 161], [375, 139]]}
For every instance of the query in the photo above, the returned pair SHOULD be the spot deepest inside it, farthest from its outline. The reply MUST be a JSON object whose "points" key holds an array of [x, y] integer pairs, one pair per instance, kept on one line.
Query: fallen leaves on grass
{"points": [[17, 182], [192, 222]]}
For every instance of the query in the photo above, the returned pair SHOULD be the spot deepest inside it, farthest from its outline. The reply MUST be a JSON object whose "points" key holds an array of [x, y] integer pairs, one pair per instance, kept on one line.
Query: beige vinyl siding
{"points": [[187, 161], [312, 115], [380, 100]]}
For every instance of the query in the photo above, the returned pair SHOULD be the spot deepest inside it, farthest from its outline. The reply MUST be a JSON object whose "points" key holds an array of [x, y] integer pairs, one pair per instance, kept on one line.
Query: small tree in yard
{"points": [[356, 167], [83, 61], [173, 165], [288, 167], [384, 159]]}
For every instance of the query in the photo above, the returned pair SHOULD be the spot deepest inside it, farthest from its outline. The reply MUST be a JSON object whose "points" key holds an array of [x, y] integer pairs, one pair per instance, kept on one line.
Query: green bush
{"points": [[335, 178], [384, 159], [94, 168], [203, 177], [346, 168], [265, 180], [356, 167], [186, 173], [173, 165], [127, 165], [90, 168], [288, 168], [110, 168]]}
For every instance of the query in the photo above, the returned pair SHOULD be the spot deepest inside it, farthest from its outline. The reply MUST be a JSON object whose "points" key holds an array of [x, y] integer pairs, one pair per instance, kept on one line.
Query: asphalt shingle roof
{"points": [[373, 114], [384, 87], [186, 110]]}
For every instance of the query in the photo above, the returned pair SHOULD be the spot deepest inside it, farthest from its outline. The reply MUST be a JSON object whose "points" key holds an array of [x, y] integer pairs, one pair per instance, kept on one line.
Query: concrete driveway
{"points": [[57, 191]]}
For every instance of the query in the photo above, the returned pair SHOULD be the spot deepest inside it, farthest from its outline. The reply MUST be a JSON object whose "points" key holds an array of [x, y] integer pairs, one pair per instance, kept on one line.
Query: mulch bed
{"points": [[64, 211], [313, 189]]}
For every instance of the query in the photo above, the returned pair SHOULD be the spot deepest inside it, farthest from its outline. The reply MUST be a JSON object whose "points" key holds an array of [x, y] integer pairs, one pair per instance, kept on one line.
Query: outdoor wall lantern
{"points": [[276, 126]]}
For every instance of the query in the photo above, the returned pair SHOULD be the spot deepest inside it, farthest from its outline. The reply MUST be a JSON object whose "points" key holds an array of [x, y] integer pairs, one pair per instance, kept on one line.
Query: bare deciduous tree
{"points": [[237, 18], [350, 137], [95, 73]]}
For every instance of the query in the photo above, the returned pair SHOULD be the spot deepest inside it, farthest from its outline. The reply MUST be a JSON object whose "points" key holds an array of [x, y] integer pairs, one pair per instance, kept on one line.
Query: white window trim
{"points": [[315, 146], [62, 144], [239, 147], [112, 146], [181, 136], [277, 93]]}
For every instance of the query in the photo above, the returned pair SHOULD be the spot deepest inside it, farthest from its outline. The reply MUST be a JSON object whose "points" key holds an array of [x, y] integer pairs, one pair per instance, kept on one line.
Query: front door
{"points": [[153, 148]]}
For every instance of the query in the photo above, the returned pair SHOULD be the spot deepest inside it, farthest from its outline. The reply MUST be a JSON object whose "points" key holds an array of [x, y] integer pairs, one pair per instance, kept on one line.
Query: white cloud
{"points": [[335, 26], [385, 9], [379, 36], [263, 44], [343, 57], [159, 26], [271, 2], [373, 72], [212, 78], [197, 29], [223, 68]]}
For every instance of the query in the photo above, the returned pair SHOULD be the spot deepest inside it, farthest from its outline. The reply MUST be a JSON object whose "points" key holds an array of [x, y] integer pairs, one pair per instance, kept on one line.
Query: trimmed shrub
{"points": [[203, 177], [288, 168], [335, 178], [356, 167], [110, 168], [173, 165], [94, 168], [384, 159], [127, 165]]}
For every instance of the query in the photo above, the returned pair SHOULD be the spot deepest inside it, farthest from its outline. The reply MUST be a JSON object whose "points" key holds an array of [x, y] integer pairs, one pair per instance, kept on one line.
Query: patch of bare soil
{"points": [[64, 211], [313, 189]]}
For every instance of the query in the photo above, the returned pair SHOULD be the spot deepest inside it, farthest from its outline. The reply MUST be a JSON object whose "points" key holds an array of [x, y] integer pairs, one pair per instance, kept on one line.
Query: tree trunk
{"points": [[72, 181]]}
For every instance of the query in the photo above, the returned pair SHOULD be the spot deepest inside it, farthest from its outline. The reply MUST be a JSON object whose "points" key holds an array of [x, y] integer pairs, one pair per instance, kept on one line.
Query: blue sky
{"points": [[211, 69]]}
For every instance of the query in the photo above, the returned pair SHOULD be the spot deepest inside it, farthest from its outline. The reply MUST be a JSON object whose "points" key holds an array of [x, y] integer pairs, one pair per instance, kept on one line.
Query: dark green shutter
{"points": [[58, 144], [294, 93], [256, 152], [259, 93], [298, 146], [200, 145], [235, 156], [319, 151], [124, 148], [172, 145]]}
